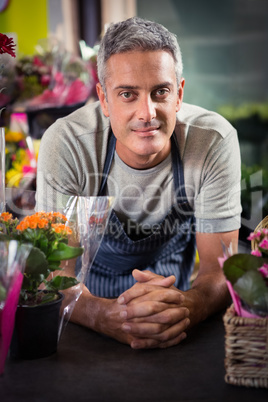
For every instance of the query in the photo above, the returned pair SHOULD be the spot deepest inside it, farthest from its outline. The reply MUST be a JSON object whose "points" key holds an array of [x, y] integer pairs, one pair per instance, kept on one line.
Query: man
{"points": [[171, 166]]}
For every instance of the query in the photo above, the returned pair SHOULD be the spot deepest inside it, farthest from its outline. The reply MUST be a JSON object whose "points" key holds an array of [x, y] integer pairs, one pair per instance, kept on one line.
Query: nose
{"points": [[146, 109]]}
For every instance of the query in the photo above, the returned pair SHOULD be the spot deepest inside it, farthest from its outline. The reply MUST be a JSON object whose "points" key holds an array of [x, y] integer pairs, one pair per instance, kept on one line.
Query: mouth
{"points": [[146, 132]]}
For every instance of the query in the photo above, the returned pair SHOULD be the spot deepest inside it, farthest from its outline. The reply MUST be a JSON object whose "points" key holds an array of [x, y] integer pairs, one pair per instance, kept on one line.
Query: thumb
{"points": [[154, 279]]}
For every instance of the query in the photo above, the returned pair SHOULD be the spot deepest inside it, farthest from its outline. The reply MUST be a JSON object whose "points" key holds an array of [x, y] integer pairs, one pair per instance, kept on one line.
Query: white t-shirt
{"points": [[72, 156]]}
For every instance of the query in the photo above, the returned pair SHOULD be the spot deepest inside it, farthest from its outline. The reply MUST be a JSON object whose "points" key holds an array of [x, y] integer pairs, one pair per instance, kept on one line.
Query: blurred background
{"points": [[224, 48]]}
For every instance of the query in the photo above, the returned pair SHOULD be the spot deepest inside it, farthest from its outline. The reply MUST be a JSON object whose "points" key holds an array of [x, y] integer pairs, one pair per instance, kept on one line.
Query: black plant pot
{"points": [[35, 332]]}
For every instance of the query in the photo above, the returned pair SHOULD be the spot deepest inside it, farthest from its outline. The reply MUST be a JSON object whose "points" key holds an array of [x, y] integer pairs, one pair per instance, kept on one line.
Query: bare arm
{"points": [[209, 292]]}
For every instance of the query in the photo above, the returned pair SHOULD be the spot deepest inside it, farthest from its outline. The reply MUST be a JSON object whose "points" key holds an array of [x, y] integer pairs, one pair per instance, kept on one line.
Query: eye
{"points": [[161, 93], [126, 95]]}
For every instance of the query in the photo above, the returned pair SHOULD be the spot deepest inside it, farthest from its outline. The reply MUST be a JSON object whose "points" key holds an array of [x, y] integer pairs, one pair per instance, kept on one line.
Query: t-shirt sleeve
{"points": [[58, 174], [217, 204]]}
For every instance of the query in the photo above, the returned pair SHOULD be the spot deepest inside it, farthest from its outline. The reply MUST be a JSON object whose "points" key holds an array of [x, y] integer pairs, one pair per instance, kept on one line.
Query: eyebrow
{"points": [[133, 87]]}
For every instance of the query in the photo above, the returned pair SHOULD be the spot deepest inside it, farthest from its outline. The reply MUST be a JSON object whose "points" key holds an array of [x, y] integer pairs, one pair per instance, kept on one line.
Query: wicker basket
{"points": [[246, 350]]}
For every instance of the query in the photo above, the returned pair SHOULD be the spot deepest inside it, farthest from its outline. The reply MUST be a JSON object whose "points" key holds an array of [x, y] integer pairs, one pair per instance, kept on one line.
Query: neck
{"points": [[142, 162]]}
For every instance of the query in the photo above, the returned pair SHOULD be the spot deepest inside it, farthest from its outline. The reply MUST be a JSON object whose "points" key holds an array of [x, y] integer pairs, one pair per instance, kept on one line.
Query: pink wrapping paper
{"points": [[7, 317]]}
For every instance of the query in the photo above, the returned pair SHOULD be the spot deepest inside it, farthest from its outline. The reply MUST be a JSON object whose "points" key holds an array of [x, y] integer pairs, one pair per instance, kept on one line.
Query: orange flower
{"points": [[60, 216], [5, 216], [60, 228], [43, 220], [22, 226], [42, 223], [28, 222]]}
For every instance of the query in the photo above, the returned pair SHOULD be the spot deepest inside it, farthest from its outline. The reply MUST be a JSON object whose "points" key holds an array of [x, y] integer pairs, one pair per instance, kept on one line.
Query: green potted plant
{"points": [[48, 235]]}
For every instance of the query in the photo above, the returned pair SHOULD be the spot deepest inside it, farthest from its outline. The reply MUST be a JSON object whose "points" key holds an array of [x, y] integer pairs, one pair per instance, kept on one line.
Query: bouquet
{"points": [[51, 78]]}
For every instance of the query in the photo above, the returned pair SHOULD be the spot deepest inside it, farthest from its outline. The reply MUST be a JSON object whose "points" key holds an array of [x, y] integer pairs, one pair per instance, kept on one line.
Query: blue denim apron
{"points": [[168, 250]]}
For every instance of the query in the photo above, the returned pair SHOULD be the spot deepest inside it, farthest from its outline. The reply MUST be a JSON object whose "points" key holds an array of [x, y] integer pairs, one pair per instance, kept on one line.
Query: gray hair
{"points": [[137, 34]]}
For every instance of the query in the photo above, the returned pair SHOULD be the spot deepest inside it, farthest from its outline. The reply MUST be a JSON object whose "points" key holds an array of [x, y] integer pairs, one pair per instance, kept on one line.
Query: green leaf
{"points": [[54, 266], [32, 282], [3, 293], [43, 244], [65, 252], [61, 283], [252, 289], [36, 263], [236, 266], [47, 297]]}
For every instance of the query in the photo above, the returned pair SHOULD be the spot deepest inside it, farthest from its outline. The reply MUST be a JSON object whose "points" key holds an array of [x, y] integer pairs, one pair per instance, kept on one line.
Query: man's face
{"points": [[142, 101]]}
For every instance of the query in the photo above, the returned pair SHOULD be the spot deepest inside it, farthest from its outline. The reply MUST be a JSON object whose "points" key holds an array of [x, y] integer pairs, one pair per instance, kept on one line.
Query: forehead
{"points": [[137, 65]]}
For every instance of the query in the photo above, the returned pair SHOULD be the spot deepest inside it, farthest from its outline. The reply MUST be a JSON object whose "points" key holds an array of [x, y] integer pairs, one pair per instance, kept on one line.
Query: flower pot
{"points": [[36, 330]]}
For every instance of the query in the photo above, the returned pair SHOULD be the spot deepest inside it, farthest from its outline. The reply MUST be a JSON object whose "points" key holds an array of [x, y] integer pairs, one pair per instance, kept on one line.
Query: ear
{"points": [[180, 94], [103, 101]]}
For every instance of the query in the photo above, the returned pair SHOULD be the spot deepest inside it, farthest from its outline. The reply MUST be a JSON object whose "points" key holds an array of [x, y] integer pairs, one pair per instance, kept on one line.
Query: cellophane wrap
{"points": [[88, 218]]}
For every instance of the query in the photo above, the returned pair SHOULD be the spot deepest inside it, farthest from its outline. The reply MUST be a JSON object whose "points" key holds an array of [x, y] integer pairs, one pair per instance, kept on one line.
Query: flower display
{"points": [[247, 277], [33, 75], [48, 234], [51, 78]]}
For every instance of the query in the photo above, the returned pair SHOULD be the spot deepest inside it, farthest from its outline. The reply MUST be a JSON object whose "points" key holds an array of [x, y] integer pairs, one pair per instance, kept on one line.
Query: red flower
{"points": [[7, 45]]}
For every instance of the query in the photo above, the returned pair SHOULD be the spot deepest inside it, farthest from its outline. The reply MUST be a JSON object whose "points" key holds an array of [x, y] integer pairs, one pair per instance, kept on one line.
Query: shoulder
{"points": [[200, 120], [84, 124], [87, 119], [200, 131], [79, 138]]}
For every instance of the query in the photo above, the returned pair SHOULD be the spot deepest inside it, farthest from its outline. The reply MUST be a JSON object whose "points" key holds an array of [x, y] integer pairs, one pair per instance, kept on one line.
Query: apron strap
{"points": [[108, 162], [177, 167]]}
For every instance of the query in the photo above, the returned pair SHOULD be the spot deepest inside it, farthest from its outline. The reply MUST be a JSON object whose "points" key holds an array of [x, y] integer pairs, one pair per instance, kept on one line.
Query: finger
{"points": [[146, 290], [153, 306], [169, 337], [155, 324], [148, 276], [169, 316], [138, 343], [168, 296]]}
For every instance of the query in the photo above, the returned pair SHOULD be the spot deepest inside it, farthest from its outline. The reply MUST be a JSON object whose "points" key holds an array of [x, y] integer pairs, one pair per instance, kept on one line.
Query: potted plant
{"points": [[48, 235], [246, 321]]}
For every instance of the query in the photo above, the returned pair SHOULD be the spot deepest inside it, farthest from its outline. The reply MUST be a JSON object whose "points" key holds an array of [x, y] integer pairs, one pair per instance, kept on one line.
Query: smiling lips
{"points": [[146, 132], [144, 129]]}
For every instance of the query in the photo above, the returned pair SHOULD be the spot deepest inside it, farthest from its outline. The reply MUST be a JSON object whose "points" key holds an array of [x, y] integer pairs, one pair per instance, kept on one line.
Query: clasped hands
{"points": [[151, 312]]}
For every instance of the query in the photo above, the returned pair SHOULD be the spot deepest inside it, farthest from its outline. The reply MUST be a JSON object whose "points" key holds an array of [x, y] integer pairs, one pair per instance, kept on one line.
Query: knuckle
{"points": [[166, 317], [152, 308], [164, 336]]}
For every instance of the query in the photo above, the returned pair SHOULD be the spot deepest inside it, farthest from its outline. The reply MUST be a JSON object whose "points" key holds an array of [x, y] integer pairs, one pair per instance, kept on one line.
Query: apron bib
{"points": [[168, 250]]}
